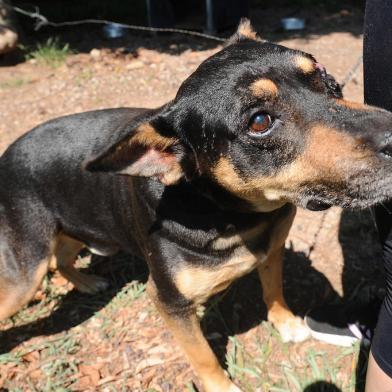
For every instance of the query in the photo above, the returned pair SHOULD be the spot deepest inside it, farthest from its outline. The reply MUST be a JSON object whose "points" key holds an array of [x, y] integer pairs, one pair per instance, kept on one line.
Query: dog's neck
{"points": [[220, 197], [229, 202]]}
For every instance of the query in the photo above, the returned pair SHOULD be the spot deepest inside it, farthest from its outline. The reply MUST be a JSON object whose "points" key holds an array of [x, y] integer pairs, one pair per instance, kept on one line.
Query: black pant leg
{"points": [[378, 92]]}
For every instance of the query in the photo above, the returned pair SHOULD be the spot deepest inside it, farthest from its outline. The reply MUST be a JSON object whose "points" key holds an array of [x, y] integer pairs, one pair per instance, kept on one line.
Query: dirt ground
{"points": [[67, 341]]}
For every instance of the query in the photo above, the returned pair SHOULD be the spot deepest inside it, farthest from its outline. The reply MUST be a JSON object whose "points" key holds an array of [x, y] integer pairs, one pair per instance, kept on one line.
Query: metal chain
{"points": [[350, 75], [317, 233]]}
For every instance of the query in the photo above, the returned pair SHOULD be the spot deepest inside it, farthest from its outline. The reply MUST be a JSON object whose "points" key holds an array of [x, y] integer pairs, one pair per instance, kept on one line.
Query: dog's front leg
{"points": [[290, 327], [185, 326]]}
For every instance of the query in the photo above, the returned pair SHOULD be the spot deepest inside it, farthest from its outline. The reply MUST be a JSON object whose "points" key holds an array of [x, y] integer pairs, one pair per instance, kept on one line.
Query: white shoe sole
{"points": [[336, 340]]}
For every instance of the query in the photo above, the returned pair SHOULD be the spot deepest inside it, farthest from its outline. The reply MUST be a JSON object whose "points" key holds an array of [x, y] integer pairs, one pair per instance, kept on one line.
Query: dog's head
{"points": [[268, 125]]}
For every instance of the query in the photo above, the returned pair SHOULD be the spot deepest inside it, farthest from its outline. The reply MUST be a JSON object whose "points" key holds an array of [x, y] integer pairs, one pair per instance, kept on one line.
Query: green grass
{"points": [[130, 292], [13, 83], [269, 364], [84, 77], [253, 364], [258, 362], [58, 366], [51, 52], [256, 370]]}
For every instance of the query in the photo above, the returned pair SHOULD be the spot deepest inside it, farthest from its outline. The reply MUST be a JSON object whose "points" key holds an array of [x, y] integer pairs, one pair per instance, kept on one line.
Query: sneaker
{"points": [[331, 324]]}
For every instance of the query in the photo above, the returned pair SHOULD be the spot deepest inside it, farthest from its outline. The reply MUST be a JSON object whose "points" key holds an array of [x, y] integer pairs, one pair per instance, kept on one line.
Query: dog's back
{"points": [[29, 169], [36, 203], [66, 139]]}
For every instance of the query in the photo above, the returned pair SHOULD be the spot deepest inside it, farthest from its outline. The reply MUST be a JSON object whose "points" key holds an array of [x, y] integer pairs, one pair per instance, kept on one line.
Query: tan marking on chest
{"points": [[199, 283], [239, 238]]}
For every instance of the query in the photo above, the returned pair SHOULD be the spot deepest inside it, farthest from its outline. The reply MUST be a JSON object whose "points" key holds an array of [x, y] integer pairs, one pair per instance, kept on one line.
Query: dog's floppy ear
{"points": [[144, 153], [244, 31]]}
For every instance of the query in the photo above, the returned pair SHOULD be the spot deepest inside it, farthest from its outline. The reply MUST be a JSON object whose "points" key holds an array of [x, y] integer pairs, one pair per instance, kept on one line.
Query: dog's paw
{"points": [[293, 329], [220, 383], [234, 388], [91, 284], [229, 387]]}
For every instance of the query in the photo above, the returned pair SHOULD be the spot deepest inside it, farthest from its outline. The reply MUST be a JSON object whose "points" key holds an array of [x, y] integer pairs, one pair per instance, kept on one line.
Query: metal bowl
{"points": [[293, 23], [113, 30]]}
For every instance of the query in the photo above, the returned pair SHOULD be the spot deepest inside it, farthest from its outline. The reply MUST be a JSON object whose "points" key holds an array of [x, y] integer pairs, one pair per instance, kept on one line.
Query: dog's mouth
{"points": [[362, 192]]}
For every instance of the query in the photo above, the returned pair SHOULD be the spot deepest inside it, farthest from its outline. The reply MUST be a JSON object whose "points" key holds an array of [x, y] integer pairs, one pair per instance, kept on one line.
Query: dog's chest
{"points": [[236, 252]]}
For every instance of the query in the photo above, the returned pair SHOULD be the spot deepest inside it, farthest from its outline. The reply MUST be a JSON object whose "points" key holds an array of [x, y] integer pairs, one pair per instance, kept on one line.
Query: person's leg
{"points": [[376, 379], [378, 91], [377, 53], [379, 371]]}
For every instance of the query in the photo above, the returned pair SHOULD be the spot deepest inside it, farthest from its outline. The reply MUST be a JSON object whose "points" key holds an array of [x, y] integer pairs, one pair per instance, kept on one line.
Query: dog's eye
{"points": [[260, 123]]}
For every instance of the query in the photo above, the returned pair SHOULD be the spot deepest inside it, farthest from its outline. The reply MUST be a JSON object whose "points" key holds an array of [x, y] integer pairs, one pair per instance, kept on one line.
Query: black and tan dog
{"points": [[203, 188]]}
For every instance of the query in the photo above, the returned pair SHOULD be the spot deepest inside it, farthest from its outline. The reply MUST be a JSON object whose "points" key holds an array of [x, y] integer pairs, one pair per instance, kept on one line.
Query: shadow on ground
{"points": [[242, 308], [322, 386], [75, 307], [320, 20]]}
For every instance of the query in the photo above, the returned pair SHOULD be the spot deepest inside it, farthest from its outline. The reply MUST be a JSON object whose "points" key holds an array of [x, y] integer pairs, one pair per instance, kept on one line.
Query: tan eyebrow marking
{"points": [[305, 64], [264, 87]]}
